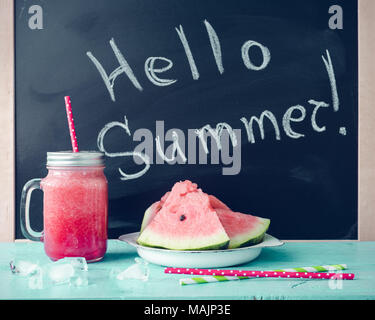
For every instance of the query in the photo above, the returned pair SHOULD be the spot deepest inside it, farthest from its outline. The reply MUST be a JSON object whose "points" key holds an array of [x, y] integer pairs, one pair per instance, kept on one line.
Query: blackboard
{"points": [[186, 64]]}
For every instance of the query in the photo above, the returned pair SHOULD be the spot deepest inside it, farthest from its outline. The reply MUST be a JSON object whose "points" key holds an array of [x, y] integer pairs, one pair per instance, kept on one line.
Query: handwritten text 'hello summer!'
{"points": [[225, 140]]}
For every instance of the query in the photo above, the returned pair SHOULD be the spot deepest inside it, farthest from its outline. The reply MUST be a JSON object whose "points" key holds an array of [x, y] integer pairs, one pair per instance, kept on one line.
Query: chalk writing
{"points": [[123, 68], [223, 137], [189, 55], [150, 71], [215, 45]]}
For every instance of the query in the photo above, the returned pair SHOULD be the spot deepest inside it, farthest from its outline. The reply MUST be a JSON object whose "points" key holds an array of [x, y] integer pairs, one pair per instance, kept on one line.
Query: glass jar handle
{"points": [[27, 231]]}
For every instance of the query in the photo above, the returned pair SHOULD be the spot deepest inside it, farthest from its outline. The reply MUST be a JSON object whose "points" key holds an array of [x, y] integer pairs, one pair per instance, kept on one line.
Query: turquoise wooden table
{"points": [[359, 256]]}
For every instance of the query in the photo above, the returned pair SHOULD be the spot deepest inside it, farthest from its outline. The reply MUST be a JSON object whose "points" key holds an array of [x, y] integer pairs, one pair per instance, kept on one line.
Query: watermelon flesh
{"points": [[185, 221], [189, 219], [152, 211]]}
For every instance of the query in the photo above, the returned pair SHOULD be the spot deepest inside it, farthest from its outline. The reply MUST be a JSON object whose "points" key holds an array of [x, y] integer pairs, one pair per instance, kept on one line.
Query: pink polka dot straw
{"points": [[72, 130], [260, 274]]}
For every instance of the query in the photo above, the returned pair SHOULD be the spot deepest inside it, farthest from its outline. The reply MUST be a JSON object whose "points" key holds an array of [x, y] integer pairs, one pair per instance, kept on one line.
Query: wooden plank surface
{"points": [[359, 257], [7, 172], [366, 164]]}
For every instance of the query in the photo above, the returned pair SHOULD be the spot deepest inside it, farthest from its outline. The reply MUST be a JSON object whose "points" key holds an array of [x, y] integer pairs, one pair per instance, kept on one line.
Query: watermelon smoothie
{"points": [[75, 212]]}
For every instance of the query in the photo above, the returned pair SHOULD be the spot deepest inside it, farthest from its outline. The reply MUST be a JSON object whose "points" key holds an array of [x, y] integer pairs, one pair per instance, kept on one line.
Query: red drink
{"points": [[75, 213], [75, 206]]}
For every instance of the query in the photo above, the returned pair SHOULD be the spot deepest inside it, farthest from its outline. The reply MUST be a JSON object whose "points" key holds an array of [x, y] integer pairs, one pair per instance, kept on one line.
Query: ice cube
{"points": [[78, 263], [23, 267], [80, 276], [66, 271], [137, 271], [72, 271], [35, 280], [59, 274]]}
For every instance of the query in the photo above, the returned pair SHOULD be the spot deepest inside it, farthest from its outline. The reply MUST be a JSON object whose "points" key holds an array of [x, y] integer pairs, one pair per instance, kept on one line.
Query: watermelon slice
{"points": [[185, 221], [243, 229], [188, 219]]}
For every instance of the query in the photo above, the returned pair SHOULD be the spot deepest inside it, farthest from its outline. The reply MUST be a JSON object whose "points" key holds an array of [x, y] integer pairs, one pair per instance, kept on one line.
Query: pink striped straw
{"points": [[73, 137], [260, 274]]}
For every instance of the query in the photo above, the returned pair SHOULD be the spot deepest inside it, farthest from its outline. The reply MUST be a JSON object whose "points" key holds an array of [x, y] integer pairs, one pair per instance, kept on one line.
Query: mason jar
{"points": [[75, 206]]}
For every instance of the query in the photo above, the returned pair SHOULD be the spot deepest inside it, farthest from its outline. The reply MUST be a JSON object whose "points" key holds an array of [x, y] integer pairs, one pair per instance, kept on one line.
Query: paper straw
{"points": [[261, 274], [323, 268], [273, 274], [217, 275], [72, 130], [208, 279]]}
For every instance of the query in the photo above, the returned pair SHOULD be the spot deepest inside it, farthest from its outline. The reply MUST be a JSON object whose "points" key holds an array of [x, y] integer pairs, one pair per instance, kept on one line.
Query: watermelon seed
{"points": [[182, 217]]}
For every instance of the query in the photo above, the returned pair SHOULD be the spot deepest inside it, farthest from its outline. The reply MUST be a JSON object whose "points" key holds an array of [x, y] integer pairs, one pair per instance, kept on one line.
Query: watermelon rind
{"points": [[217, 241], [251, 238], [149, 214]]}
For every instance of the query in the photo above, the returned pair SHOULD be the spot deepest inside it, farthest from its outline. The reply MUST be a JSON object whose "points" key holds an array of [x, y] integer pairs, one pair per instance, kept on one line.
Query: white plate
{"points": [[199, 259]]}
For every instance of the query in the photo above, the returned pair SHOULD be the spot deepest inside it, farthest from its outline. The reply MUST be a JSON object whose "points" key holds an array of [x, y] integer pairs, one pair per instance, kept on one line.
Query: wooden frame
{"points": [[366, 143], [7, 121]]}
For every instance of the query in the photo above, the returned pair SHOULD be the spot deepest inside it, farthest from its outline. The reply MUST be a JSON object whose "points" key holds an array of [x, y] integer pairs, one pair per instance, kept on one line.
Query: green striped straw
{"points": [[324, 268], [209, 279]]}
